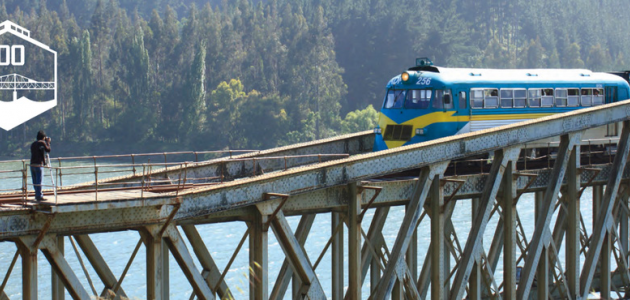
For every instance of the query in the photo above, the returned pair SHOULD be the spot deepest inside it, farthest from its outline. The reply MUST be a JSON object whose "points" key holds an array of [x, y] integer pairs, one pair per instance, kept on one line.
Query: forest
{"points": [[172, 75]]}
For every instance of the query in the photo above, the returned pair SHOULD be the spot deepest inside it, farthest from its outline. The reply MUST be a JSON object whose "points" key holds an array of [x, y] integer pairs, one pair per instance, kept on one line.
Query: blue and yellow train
{"points": [[427, 102]]}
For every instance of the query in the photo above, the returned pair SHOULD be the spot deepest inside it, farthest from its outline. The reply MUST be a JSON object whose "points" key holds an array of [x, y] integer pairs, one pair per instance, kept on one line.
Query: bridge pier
{"points": [[29, 267], [354, 243], [258, 257], [58, 290], [337, 261]]}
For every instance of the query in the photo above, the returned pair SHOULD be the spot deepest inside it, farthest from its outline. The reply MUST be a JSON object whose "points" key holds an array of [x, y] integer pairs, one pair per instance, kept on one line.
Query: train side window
{"points": [[520, 98], [476, 96], [437, 100], [598, 96], [418, 99], [561, 97], [491, 98], [587, 97], [547, 98], [534, 97], [507, 98], [573, 97], [462, 100]]}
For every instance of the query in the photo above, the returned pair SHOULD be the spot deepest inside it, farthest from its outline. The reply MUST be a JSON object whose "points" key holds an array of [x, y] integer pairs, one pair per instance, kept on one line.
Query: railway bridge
{"points": [[551, 255]]}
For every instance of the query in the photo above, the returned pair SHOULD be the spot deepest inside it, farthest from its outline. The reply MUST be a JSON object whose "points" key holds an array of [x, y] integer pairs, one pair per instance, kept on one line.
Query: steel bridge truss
{"points": [[343, 189]]}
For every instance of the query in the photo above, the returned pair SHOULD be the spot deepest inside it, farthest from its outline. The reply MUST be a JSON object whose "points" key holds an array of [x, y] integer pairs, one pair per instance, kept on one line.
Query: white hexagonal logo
{"points": [[28, 76]]}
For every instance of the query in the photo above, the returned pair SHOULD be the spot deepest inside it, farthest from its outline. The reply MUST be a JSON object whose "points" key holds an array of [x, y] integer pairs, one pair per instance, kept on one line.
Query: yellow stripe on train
{"points": [[438, 117]]}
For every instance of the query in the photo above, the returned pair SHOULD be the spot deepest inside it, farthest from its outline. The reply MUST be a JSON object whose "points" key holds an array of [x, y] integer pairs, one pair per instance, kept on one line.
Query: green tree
{"points": [[533, 55], [194, 105], [572, 57], [360, 120], [598, 58], [82, 94]]}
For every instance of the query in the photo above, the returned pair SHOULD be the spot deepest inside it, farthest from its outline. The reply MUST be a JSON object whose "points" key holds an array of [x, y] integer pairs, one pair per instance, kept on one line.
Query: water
{"points": [[222, 239]]}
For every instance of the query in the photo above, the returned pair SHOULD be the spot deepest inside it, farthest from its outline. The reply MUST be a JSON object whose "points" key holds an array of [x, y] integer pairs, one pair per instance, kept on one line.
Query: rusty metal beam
{"points": [[258, 257], [539, 240], [98, 263], [473, 244], [354, 243], [184, 259], [337, 259], [206, 261], [50, 250], [285, 274], [410, 222], [604, 216]]}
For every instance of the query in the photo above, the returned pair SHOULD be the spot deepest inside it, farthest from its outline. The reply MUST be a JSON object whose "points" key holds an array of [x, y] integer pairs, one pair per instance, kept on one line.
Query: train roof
{"points": [[474, 75]]}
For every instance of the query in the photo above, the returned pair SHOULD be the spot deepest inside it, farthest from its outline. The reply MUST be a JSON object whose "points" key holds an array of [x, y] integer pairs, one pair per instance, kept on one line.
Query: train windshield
{"points": [[418, 99], [395, 98]]}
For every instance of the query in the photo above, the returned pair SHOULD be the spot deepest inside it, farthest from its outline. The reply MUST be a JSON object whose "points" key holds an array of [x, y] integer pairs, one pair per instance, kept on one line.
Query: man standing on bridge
{"points": [[38, 162]]}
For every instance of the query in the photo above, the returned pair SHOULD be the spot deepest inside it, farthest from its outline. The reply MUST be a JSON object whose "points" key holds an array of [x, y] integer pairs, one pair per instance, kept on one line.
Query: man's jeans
{"points": [[37, 173]]}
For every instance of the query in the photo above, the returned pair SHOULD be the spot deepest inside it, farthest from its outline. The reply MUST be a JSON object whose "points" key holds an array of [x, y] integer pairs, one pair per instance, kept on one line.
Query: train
{"points": [[427, 102]]}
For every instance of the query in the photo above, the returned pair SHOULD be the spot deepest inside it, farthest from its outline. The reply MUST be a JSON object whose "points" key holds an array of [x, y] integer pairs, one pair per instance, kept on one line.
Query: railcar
{"points": [[427, 102]]}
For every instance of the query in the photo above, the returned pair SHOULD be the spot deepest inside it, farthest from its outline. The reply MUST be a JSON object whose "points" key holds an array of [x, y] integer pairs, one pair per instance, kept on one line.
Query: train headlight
{"points": [[377, 130], [419, 131], [404, 76]]}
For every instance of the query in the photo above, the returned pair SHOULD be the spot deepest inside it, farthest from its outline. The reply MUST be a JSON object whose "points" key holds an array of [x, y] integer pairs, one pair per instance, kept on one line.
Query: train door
{"points": [[611, 94], [463, 111]]}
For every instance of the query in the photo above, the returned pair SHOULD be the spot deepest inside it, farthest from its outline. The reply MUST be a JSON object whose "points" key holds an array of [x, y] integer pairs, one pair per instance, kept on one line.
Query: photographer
{"points": [[38, 162]]}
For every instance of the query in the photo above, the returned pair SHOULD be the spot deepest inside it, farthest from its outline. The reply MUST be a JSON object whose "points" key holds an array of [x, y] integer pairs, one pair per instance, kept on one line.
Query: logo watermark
{"points": [[28, 76]]}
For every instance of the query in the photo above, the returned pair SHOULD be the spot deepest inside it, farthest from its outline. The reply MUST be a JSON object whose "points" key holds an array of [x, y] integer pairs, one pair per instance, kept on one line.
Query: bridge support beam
{"points": [[542, 271], [474, 247], [155, 256], [58, 290], [573, 246], [175, 242], [311, 288], [509, 231], [336, 255], [286, 272], [373, 244], [408, 226], [474, 283], [206, 261], [29, 267], [258, 257], [439, 254], [98, 263], [354, 243], [540, 240], [604, 216]]}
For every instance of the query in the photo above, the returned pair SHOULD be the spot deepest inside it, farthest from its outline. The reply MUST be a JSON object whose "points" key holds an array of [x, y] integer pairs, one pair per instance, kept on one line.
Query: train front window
{"points": [[395, 98], [418, 99]]}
